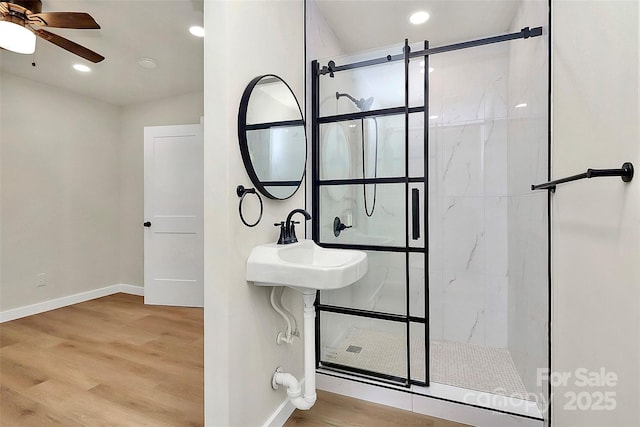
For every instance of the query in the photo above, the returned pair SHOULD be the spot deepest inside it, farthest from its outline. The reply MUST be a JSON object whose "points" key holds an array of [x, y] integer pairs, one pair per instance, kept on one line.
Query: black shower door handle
{"points": [[415, 213]]}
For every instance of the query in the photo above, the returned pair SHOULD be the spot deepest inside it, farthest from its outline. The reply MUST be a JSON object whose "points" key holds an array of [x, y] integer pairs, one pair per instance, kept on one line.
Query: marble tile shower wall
{"points": [[468, 196]]}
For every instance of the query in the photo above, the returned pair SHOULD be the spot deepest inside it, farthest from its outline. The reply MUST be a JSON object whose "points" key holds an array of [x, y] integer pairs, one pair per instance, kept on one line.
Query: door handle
{"points": [[415, 213], [147, 224]]}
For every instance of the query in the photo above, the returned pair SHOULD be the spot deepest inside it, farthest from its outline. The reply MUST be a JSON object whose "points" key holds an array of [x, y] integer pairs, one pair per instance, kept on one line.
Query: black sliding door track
{"points": [[525, 33]]}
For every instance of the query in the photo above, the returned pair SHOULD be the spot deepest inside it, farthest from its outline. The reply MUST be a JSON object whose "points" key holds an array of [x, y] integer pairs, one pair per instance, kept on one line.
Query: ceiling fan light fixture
{"points": [[17, 38]]}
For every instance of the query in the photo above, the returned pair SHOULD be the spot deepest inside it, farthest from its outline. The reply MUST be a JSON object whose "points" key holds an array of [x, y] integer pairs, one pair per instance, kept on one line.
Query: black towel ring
{"points": [[241, 192]]}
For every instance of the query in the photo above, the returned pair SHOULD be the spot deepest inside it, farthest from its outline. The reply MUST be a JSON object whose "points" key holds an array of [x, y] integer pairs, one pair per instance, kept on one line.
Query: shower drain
{"points": [[354, 349]]}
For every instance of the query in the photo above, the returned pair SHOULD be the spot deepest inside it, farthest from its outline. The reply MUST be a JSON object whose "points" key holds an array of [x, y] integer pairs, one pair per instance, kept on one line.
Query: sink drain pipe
{"points": [[299, 399]]}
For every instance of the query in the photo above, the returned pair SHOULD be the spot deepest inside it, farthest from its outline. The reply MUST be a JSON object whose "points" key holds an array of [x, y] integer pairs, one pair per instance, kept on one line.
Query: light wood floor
{"points": [[114, 361], [107, 362], [332, 410]]}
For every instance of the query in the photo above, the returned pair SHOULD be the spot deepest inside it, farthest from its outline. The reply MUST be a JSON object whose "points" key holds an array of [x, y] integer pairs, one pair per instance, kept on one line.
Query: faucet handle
{"points": [[283, 233]]}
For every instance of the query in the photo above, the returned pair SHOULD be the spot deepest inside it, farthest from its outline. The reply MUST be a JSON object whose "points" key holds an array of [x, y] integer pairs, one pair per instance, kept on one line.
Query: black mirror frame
{"points": [[244, 146]]}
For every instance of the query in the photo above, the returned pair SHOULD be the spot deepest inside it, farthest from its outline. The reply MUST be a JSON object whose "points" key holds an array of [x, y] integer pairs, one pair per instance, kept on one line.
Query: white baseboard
{"points": [[131, 289], [41, 307], [280, 415]]}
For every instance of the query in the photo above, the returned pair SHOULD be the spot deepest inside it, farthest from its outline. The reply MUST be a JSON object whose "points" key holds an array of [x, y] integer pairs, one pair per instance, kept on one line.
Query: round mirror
{"points": [[272, 137]]}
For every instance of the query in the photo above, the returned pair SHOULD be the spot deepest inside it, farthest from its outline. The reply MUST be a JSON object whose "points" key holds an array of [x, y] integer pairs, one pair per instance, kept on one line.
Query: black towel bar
{"points": [[625, 172]]}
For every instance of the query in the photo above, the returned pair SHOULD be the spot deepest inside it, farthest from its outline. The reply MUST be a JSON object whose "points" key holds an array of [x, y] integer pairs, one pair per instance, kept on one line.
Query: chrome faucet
{"points": [[287, 228]]}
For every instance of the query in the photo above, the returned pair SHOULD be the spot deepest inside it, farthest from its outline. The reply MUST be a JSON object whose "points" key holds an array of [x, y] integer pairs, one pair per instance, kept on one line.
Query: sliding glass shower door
{"points": [[423, 157], [369, 189]]}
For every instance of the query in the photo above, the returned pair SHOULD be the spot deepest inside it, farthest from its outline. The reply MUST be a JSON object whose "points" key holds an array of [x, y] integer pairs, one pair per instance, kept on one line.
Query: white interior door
{"points": [[173, 209]]}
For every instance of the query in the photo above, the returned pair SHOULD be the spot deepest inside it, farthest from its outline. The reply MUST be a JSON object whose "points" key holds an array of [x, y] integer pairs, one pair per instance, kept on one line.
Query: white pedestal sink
{"points": [[305, 267]]}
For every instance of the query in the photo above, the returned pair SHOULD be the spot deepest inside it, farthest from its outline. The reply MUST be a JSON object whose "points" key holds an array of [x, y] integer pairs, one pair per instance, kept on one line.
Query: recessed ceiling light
{"points": [[197, 31], [524, 104], [433, 117], [147, 63], [81, 67], [419, 17]]}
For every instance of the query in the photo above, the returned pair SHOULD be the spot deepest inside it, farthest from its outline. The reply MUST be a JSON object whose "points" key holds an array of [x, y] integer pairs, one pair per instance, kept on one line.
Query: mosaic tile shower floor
{"points": [[468, 366]]}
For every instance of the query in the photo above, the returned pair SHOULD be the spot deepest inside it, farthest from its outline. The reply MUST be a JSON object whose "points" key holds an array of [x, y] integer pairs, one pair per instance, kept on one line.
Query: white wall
{"points": [[244, 39], [59, 192], [183, 109], [72, 192], [596, 223]]}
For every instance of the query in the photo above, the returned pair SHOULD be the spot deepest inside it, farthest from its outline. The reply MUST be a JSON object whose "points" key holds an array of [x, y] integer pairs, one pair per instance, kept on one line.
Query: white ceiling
{"points": [[367, 24], [131, 29], [158, 29]]}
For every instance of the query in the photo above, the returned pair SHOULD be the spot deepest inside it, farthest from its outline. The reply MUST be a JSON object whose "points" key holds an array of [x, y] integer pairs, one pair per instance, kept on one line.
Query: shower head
{"points": [[362, 104]]}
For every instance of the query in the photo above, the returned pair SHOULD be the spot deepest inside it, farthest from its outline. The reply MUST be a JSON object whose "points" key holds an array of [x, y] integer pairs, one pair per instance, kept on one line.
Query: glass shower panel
{"points": [[468, 218], [385, 227], [418, 348], [417, 69], [417, 288], [416, 145], [383, 83], [378, 86], [372, 148], [482, 219], [365, 344], [383, 289]]}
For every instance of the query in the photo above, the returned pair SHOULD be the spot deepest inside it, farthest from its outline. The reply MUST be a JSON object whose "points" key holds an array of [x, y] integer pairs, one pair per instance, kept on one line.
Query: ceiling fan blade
{"points": [[77, 20], [68, 45]]}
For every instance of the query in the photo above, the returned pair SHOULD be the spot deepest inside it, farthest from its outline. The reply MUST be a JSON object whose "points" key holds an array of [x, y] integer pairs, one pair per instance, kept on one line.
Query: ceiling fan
{"points": [[22, 20]]}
